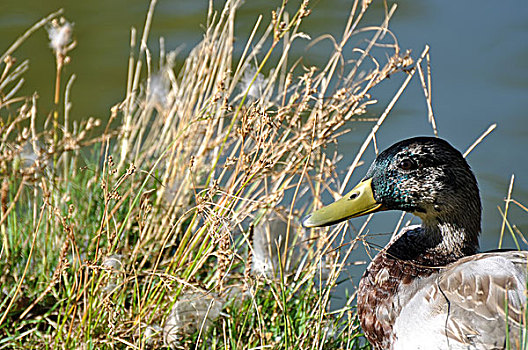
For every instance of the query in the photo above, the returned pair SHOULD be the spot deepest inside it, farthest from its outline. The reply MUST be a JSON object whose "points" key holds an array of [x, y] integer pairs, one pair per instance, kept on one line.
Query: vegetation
{"points": [[143, 232]]}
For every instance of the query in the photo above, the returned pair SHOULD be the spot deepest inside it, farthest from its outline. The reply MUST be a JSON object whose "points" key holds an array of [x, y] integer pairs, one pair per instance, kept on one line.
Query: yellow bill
{"points": [[359, 201]]}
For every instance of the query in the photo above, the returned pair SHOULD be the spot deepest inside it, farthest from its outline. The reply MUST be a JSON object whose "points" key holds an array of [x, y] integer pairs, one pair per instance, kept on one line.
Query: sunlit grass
{"points": [[140, 233]]}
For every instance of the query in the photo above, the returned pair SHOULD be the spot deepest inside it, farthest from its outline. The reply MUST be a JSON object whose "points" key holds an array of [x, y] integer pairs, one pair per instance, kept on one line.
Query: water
{"points": [[479, 54]]}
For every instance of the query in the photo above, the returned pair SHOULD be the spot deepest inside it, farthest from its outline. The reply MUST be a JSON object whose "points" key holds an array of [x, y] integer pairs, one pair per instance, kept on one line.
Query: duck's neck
{"points": [[456, 237], [440, 239]]}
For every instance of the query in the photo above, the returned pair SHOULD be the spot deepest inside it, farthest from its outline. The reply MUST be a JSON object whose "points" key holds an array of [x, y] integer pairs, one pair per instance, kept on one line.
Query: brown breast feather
{"points": [[472, 296]]}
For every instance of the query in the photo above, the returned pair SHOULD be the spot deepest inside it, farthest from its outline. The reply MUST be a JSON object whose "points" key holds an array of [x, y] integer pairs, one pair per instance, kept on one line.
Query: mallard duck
{"points": [[429, 288]]}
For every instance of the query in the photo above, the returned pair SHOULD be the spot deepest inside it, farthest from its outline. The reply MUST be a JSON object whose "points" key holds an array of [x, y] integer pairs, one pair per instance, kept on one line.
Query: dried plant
{"points": [[182, 229]]}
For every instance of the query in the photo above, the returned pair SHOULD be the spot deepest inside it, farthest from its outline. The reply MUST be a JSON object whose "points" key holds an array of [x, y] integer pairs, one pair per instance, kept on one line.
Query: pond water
{"points": [[479, 56]]}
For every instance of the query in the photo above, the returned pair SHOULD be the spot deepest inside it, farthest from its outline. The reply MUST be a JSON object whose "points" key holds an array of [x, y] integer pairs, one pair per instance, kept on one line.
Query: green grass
{"points": [[111, 232]]}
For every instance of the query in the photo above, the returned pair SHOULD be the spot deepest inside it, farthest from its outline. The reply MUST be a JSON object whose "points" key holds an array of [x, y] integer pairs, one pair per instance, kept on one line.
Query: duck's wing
{"points": [[486, 298]]}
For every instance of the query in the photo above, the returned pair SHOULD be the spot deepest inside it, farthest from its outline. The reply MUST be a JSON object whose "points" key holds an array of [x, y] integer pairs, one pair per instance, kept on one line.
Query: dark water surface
{"points": [[479, 52]]}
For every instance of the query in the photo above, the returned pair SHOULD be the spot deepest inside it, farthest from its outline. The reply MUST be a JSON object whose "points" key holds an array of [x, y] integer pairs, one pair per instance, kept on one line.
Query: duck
{"points": [[430, 287]]}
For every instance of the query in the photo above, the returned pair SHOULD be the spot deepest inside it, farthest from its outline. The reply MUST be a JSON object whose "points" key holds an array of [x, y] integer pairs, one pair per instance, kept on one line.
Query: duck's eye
{"points": [[407, 164]]}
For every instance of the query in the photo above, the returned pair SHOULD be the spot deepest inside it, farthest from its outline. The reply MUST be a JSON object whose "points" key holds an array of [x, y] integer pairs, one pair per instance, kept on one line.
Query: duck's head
{"points": [[425, 176]]}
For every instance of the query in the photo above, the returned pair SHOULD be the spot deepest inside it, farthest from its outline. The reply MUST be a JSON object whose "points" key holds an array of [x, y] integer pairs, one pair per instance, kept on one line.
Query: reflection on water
{"points": [[479, 68]]}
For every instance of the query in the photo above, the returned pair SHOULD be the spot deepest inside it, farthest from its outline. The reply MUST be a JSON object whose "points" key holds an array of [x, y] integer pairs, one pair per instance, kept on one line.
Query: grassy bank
{"points": [[175, 223]]}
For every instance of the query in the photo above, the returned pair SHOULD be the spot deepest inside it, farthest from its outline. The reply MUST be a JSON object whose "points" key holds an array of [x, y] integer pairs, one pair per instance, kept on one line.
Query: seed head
{"points": [[60, 35]]}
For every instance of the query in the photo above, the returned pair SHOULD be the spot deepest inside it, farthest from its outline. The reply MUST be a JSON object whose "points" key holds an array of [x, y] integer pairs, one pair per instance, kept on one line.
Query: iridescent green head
{"points": [[425, 176]]}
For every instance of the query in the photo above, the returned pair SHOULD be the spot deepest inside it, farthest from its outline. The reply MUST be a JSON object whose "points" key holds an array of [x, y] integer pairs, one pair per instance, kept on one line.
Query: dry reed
{"points": [[153, 243]]}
